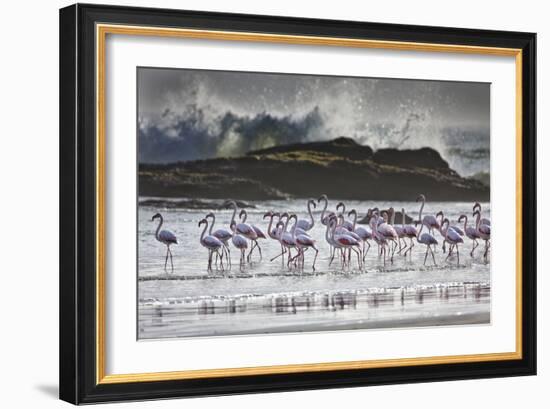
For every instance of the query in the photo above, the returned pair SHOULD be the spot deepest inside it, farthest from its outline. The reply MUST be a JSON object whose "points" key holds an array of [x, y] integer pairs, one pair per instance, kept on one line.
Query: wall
{"points": [[29, 205]]}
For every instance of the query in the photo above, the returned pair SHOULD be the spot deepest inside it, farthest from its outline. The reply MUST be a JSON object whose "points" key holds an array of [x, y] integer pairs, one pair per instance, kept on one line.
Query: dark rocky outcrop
{"points": [[340, 168]]}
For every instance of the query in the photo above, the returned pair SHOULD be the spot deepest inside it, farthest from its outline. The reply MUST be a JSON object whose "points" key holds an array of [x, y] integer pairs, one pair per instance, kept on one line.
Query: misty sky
{"points": [[194, 114]]}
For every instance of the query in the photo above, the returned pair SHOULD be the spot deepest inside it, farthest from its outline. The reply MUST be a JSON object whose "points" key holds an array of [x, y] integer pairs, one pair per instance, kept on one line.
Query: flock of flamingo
{"points": [[346, 239]]}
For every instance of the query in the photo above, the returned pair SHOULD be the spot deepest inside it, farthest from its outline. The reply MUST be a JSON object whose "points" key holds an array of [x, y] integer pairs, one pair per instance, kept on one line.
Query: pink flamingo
{"points": [[259, 234], [444, 231], [484, 232], [287, 240], [482, 220], [345, 223], [453, 238], [167, 238], [363, 233], [222, 235], [240, 243], [398, 229], [378, 238], [242, 228], [471, 233], [429, 220], [388, 232], [275, 233], [211, 243], [303, 243], [306, 225], [409, 231], [428, 240], [345, 241]]}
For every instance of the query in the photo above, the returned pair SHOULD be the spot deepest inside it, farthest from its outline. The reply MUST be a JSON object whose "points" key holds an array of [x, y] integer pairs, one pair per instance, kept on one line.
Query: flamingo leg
{"points": [[259, 249], [166, 259], [426, 255], [171, 261], [433, 255], [457, 256], [228, 254], [333, 252], [315, 258], [283, 251], [475, 243], [253, 244], [210, 260], [358, 252]]}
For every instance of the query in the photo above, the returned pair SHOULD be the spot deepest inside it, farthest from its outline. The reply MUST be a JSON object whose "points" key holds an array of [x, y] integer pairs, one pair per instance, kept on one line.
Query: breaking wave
{"points": [[198, 122]]}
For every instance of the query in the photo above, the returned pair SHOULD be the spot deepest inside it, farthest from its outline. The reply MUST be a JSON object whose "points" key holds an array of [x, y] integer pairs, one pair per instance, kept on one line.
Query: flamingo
{"points": [[240, 243], [345, 224], [211, 243], [242, 228], [167, 238], [443, 231], [344, 240], [275, 233], [388, 232], [340, 229], [306, 225], [303, 243], [429, 220], [409, 231], [378, 238], [363, 233], [398, 229], [453, 238], [259, 234], [287, 240], [471, 233], [222, 235], [332, 245], [484, 232], [428, 240], [482, 220]]}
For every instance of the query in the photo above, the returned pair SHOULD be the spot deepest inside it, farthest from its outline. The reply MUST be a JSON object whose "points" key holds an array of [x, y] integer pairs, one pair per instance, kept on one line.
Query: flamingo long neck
{"points": [[343, 206], [478, 218], [234, 205], [270, 223], [158, 227], [465, 222], [402, 217], [310, 214], [212, 224], [245, 216], [324, 209], [293, 230], [421, 209], [442, 217], [354, 212], [204, 231], [286, 224]]}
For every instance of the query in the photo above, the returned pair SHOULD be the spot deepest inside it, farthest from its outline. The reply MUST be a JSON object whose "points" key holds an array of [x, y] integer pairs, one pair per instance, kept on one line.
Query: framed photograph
{"points": [[258, 203]]}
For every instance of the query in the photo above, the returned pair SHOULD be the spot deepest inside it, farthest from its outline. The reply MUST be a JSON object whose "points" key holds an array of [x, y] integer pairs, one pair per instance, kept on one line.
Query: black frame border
{"points": [[78, 211]]}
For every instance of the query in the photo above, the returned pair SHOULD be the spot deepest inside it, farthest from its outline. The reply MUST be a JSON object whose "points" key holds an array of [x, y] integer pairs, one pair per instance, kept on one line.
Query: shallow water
{"points": [[268, 297]]}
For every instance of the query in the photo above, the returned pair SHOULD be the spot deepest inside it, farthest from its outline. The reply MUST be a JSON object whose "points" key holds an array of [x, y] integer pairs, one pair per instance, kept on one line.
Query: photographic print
{"points": [[284, 203]]}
